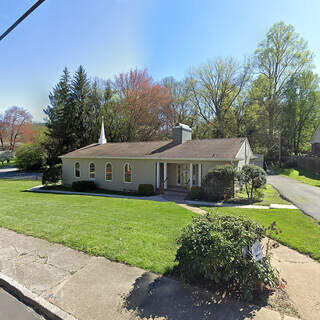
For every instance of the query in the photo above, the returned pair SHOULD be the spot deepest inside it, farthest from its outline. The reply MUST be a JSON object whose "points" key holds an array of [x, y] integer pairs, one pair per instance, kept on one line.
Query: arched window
{"points": [[92, 170], [127, 173], [77, 170], [108, 171]]}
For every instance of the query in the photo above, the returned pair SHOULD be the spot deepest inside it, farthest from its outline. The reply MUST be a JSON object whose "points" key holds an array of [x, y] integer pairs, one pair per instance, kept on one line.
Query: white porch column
{"points": [[199, 174], [191, 175], [165, 175], [158, 175]]}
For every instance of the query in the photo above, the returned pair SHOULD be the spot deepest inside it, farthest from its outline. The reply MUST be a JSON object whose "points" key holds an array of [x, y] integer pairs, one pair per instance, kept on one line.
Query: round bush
{"points": [[83, 185], [52, 175], [196, 192], [30, 156], [211, 249], [219, 183], [145, 189], [253, 178]]}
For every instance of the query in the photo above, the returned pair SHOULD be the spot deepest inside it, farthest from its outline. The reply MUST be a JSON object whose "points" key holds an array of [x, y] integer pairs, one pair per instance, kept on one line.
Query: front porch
{"points": [[180, 177]]}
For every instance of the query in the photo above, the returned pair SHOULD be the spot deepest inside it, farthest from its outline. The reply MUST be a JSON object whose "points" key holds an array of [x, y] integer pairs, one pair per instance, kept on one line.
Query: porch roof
{"points": [[206, 149]]}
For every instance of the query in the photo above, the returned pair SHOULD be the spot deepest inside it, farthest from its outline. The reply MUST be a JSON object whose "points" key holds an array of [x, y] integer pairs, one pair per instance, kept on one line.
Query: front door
{"points": [[183, 173]]}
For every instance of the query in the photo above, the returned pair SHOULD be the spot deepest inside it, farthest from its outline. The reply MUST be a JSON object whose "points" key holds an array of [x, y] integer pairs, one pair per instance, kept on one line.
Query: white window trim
{"points": [[74, 170], [105, 172], [124, 173], [94, 171]]}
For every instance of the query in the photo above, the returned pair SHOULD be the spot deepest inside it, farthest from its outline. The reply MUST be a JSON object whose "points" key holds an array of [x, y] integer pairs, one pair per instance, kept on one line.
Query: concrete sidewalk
{"points": [[95, 288]]}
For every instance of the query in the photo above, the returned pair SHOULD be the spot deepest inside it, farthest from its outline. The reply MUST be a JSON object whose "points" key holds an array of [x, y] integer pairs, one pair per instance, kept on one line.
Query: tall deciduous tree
{"points": [[301, 112], [281, 55], [3, 132], [181, 108], [215, 86], [13, 121], [141, 102]]}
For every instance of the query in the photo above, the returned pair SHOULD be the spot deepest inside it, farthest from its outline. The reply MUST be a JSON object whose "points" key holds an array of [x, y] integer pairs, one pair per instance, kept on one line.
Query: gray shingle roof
{"points": [[210, 149]]}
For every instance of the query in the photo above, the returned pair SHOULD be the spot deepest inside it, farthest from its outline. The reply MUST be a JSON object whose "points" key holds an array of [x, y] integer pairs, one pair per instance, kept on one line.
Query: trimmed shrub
{"points": [[30, 156], [196, 192], [217, 248], [6, 156], [253, 178], [83, 185], [219, 183], [52, 175], [145, 189]]}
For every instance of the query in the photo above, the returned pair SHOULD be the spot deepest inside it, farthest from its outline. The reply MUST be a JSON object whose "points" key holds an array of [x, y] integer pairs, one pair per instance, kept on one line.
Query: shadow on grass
{"points": [[163, 297]]}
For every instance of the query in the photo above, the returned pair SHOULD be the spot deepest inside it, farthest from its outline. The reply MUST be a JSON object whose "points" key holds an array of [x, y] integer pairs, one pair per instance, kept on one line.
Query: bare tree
{"points": [[15, 118], [215, 86], [3, 132], [181, 109]]}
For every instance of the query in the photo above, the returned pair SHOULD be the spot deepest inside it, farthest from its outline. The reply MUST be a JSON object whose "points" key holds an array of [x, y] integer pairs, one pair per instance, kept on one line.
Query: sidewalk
{"points": [[94, 288], [163, 198]]}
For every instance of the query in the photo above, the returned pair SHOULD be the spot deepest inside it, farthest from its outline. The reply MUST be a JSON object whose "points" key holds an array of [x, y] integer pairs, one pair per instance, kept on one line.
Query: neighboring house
{"points": [[123, 166], [315, 142]]}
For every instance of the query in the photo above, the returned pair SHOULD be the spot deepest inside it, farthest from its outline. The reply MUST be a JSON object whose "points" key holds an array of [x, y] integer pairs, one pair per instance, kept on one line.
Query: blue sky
{"points": [[111, 36]]}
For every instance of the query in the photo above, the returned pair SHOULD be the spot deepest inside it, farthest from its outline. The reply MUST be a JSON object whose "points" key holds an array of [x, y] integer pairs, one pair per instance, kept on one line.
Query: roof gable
{"points": [[316, 136]]}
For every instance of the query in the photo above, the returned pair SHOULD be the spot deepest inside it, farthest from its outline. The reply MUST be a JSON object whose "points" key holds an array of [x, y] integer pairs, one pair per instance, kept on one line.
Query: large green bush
{"points": [[219, 183], [252, 178], [84, 185], [52, 175], [145, 189], [30, 156], [212, 249], [196, 193]]}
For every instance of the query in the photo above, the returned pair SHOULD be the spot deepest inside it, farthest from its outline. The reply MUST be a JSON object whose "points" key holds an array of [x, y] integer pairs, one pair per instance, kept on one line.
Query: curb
{"points": [[41, 305]]}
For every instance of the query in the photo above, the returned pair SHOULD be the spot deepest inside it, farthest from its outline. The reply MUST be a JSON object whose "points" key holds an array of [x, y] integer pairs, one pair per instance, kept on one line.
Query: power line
{"points": [[35, 6]]}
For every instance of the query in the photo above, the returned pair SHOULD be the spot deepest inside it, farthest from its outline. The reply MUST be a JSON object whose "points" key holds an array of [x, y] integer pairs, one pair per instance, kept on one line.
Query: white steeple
{"points": [[102, 139]]}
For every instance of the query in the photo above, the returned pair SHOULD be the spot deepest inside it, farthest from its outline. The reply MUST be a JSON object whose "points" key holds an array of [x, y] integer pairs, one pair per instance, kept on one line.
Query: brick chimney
{"points": [[181, 133]]}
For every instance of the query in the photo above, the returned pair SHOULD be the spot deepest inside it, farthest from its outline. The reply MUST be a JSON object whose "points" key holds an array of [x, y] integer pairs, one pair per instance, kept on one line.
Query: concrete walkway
{"points": [[304, 196], [93, 288], [164, 198]]}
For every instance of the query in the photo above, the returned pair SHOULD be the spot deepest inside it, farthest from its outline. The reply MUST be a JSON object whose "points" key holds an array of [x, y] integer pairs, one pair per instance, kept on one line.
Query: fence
{"points": [[311, 163]]}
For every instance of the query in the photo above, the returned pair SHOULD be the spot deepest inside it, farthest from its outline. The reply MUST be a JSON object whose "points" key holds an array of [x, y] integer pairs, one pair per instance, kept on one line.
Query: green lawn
{"points": [[270, 195], [300, 175], [137, 232], [298, 230], [142, 233]]}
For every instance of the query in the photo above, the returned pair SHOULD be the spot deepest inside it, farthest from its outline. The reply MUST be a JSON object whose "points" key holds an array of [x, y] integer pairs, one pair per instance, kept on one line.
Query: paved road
{"points": [[14, 173], [304, 196], [13, 309]]}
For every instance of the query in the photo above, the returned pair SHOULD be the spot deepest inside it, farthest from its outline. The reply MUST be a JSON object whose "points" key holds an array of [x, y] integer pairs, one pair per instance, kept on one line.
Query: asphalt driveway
{"points": [[16, 174], [11, 308], [304, 196]]}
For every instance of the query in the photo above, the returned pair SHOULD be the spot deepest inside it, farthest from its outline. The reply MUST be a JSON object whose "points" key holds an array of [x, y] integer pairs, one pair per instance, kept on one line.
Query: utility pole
{"points": [[35, 6]]}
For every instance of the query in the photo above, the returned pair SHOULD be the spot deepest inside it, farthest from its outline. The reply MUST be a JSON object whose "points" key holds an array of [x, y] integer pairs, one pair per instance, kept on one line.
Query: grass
{"points": [[300, 175], [298, 230], [270, 195], [137, 232], [142, 233]]}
